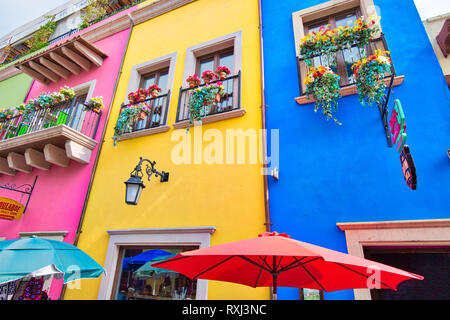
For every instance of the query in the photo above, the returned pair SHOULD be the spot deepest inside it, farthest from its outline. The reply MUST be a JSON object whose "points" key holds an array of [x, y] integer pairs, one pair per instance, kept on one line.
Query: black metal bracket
{"points": [[25, 189], [150, 170], [384, 111]]}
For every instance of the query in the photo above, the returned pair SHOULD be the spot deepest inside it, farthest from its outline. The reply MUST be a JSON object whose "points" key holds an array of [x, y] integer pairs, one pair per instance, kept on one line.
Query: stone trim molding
{"points": [[350, 90], [142, 133], [155, 9], [407, 233], [212, 118], [200, 237]]}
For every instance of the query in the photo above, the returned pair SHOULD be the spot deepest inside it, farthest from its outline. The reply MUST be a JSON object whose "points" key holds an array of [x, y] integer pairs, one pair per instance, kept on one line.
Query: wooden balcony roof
{"points": [[62, 60]]}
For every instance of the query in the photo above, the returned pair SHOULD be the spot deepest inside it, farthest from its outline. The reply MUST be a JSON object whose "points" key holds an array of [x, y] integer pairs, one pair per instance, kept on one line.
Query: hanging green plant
{"points": [[202, 99], [369, 74], [322, 84], [127, 117]]}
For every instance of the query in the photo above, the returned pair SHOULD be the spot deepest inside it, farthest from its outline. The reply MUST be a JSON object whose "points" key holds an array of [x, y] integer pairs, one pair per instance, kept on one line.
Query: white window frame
{"points": [[408, 233], [200, 237]]}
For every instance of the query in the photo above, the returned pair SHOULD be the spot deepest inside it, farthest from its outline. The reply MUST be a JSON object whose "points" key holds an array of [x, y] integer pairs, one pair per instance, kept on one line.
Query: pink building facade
{"points": [[56, 203]]}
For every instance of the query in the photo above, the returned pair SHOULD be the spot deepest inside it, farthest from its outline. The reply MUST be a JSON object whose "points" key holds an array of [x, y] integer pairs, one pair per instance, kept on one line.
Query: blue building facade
{"points": [[333, 174]]}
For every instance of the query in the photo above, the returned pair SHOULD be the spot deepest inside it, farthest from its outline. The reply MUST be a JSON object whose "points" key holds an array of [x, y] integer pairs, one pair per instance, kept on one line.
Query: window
{"points": [[212, 61], [160, 72], [335, 13], [158, 78], [340, 63], [124, 244], [136, 280], [223, 51]]}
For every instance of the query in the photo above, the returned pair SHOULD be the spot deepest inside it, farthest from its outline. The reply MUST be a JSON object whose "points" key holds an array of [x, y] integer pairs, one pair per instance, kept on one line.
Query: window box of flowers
{"points": [[223, 72], [322, 84]]}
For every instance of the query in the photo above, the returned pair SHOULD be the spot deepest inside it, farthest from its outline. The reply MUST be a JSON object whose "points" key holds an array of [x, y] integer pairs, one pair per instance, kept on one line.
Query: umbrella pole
{"points": [[274, 277]]}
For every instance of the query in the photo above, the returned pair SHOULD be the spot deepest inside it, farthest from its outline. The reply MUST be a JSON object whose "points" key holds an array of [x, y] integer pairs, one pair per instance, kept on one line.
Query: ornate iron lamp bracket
{"points": [[25, 189]]}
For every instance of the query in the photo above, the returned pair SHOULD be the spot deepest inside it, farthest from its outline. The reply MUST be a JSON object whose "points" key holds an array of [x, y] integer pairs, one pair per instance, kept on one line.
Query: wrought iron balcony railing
{"points": [[341, 62], [158, 113], [70, 113], [230, 101]]}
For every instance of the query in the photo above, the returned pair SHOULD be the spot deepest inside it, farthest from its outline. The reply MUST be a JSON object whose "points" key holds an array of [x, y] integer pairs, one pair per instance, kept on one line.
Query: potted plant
{"points": [[94, 105], [141, 95], [322, 84], [194, 81], [154, 90], [45, 100], [223, 72], [67, 92], [208, 76], [144, 111], [132, 98], [57, 97], [20, 109], [369, 74]]}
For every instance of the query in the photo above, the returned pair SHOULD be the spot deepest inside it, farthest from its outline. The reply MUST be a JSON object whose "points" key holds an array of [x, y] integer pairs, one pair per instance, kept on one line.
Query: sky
{"points": [[15, 13]]}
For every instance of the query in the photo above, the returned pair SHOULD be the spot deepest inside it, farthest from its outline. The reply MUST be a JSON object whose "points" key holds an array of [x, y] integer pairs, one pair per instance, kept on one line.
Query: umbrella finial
{"points": [[274, 234]]}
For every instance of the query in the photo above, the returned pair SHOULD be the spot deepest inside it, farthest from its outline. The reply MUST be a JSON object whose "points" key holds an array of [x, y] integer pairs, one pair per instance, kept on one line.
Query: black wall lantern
{"points": [[134, 185]]}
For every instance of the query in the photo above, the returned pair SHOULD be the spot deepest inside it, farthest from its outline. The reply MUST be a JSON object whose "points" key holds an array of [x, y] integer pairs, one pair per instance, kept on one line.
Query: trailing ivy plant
{"points": [[322, 84], [127, 118], [40, 38], [203, 98]]}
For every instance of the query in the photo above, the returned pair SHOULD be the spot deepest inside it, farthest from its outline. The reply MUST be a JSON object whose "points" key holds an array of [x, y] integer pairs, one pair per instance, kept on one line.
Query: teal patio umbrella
{"points": [[21, 257], [148, 271]]}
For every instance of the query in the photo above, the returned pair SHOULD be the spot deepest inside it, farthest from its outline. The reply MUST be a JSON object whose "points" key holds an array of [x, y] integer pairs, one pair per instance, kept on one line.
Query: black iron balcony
{"points": [[229, 102], [69, 113], [157, 116]]}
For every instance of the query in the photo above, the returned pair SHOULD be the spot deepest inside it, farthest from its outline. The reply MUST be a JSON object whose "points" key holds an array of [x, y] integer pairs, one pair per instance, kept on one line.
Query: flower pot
{"points": [[20, 112], [222, 75], [96, 110], [8, 116], [207, 80], [218, 97], [155, 93], [192, 84], [142, 115], [66, 98]]}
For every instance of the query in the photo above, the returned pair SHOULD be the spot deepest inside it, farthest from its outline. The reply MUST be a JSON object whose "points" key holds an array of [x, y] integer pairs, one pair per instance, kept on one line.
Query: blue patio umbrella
{"points": [[131, 263], [148, 270], [21, 257]]}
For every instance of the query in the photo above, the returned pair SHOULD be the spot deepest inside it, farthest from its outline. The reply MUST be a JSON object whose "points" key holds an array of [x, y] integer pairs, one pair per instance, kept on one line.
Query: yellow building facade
{"points": [[215, 192]]}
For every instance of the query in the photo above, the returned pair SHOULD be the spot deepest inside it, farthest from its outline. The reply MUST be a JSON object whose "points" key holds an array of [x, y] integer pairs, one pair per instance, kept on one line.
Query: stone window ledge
{"points": [[212, 118], [142, 133], [350, 90]]}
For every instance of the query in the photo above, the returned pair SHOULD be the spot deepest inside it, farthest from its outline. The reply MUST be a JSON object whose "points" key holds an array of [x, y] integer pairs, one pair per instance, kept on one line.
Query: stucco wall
{"points": [[347, 173]]}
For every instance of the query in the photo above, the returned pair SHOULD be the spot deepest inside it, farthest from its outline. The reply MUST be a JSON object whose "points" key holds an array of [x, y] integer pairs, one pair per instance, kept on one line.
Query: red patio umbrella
{"points": [[274, 259]]}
